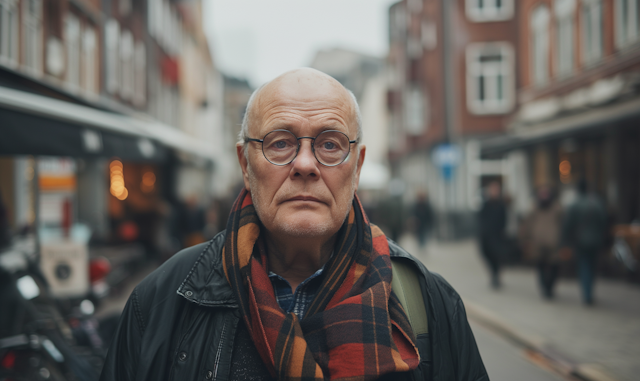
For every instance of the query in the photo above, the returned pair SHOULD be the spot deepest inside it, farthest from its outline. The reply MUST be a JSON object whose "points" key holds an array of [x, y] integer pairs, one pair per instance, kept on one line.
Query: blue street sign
{"points": [[447, 157]]}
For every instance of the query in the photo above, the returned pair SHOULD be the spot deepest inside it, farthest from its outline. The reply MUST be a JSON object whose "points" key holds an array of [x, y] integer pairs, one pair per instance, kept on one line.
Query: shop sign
{"points": [[56, 174]]}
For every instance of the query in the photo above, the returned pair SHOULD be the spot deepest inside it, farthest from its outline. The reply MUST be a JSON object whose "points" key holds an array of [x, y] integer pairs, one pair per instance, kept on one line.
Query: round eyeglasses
{"points": [[280, 147]]}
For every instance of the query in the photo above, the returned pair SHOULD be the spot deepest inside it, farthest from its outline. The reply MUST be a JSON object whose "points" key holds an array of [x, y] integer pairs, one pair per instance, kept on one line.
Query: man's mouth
{"points": [[304, 198]]}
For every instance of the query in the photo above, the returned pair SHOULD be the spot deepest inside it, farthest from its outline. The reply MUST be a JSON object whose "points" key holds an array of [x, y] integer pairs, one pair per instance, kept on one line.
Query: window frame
{"points": [[491, 105], [564, 12], [72, 43], [90, 60], [540, 45], [627, 29], [9, 14], [592, 38], [112, 55], [126, 54], [33, 38], [489, 14], [140, 72]]}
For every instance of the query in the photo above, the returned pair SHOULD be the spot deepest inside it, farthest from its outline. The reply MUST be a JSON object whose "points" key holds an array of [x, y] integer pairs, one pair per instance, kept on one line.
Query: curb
{"points": [[538, 346]]}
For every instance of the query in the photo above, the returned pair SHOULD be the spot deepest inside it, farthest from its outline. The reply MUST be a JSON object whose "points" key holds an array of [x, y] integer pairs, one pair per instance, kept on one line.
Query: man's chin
{"points": [[307, 225]]}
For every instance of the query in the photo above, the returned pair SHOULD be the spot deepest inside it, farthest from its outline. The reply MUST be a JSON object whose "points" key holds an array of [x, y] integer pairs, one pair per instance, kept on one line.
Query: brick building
{"points": [[86, 83], [452, 80], [578, 100]]}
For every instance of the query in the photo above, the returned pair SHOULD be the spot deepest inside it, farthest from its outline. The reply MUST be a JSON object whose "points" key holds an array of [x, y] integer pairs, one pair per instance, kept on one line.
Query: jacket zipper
{"points": [[219, 351]]}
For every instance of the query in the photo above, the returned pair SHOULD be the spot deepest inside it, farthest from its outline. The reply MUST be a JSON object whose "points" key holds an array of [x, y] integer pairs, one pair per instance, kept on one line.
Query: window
{"points": [[89, 60], [140, 59], [489, 10], [32, 23], [429, 35], [126, 65], [154, 16], [164, 25], [112, 40], [540, 45], [564, 11], [124, 6], [490, 78], [8, 32], [415, 110], [414, 6], [591, 31], [627, 22], [72, 42]]}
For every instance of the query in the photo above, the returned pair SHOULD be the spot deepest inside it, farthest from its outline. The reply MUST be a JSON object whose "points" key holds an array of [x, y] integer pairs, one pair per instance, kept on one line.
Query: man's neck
{"points": [[296, 259]]}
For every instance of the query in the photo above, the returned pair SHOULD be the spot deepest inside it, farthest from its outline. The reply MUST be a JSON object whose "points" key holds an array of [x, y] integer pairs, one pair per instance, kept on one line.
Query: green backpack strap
{"points": [[406, 285]]}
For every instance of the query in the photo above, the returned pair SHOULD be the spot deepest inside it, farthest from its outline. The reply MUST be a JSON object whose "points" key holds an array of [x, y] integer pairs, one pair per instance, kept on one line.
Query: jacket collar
{"points": [[206, 284]]}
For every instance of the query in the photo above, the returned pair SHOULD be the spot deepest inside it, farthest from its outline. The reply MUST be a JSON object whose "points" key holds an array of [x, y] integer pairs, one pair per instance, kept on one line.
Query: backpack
{"points": [[406, 285]]}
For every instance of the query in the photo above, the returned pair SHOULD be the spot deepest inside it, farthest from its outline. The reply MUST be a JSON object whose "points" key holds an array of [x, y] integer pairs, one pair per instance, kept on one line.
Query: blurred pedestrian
{"points": [[492, 221], [544, 225], [423, 213], [192, 222], [584, 233], [392, 216]]}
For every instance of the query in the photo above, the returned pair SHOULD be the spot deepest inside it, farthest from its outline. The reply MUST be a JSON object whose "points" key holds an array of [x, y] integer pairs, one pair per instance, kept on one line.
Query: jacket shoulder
{"points": [[166, 279]]}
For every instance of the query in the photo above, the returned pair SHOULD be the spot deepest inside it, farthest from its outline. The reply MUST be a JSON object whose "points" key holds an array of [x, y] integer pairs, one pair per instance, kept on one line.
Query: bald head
{"points": [[306, 85]]}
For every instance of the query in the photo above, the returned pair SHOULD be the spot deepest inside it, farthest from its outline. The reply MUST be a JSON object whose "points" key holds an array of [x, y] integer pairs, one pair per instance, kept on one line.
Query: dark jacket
{"points": [[180, 324], [585, 225], [492, 219]]}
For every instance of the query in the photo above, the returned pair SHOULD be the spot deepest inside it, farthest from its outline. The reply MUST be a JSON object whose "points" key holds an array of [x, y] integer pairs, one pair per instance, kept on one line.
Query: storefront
{"points": [[69, 172], [600, 145]]}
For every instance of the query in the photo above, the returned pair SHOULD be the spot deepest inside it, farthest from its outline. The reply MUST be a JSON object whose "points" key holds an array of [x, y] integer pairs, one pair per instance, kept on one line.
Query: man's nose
{"points": [[305, 164]]}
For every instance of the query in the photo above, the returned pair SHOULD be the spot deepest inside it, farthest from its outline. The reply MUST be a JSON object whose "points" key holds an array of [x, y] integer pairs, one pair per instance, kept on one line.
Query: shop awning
{"points": [[563, 127], [32, 124]]}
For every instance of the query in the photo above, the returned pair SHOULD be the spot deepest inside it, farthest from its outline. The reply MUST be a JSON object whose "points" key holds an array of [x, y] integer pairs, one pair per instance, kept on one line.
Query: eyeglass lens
{"points": [[330, 147]]}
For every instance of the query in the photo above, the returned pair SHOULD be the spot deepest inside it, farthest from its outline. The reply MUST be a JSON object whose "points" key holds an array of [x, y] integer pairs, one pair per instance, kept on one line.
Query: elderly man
{"points": [[299, 285]]}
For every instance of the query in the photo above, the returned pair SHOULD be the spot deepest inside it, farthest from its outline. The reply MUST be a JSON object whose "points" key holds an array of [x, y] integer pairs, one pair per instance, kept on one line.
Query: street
{"points": [[598, 343], [505, 362]]}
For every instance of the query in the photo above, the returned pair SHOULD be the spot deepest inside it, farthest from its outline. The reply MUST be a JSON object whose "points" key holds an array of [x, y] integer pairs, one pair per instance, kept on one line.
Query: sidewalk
{"points": [[593, 343]]}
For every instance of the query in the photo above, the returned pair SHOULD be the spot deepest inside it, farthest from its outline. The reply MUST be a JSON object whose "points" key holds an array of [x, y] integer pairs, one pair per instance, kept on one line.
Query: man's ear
{"points": [[242, 159], [361, 153]]}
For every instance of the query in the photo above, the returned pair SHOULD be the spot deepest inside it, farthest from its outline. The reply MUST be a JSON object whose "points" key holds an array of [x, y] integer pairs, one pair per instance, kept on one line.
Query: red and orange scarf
{"points": [[355, 328]]}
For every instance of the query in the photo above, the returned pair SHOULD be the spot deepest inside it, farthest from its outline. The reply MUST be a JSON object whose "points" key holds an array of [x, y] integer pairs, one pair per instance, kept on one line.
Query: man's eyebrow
{"points": [[280, 126]]}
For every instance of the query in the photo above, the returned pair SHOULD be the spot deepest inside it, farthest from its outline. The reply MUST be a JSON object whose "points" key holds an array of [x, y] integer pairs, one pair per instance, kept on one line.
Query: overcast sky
{"points": [[260, 39]]}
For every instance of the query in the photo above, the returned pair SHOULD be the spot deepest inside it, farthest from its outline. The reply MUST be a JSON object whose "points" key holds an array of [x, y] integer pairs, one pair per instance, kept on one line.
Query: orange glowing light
{"points": [[565, 168], [123, 196], [118, 189], [149, 179]]}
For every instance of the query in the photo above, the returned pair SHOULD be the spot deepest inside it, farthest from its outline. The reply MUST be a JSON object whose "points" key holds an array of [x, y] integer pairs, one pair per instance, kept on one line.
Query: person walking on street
{"points": [[583, 232], [492, 221], [423, 213], [544, 225]]}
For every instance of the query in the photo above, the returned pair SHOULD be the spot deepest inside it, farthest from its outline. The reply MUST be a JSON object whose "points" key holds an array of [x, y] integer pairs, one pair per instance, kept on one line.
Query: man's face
{"points": [[303, 198]]}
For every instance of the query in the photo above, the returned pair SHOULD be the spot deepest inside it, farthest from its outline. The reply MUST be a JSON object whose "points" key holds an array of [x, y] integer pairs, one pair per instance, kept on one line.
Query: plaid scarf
{"points": [[355, 327]]}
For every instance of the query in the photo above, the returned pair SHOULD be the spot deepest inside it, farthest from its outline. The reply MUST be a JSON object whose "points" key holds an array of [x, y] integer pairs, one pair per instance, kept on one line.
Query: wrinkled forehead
{"points": [[309, 94]]}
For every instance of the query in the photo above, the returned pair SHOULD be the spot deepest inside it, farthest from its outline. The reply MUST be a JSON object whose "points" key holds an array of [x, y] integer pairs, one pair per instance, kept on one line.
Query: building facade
{"points": [[578, 100], [452, 82], [112, 107]]}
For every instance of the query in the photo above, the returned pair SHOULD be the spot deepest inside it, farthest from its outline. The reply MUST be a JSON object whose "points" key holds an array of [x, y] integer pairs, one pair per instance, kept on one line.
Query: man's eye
{"points": [[281, 144], [329, 145]]}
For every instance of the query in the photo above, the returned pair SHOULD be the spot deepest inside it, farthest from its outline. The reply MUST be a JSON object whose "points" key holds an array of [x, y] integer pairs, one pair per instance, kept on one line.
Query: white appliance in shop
{"points": [[65, 265]]}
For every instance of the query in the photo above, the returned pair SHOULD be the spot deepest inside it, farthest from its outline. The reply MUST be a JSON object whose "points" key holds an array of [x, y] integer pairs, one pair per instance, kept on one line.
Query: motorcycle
{"points": [[38, 340]]}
